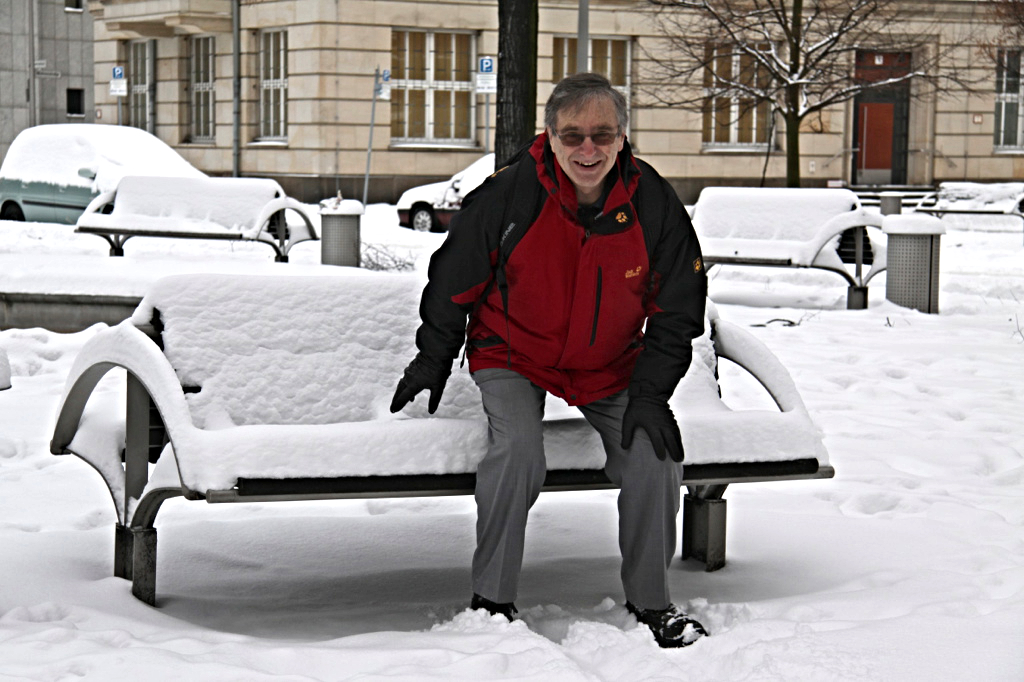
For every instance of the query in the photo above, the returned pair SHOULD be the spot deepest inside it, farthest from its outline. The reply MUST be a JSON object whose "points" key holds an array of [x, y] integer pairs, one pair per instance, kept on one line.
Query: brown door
{"points": [[875, 143], [881, 117]]}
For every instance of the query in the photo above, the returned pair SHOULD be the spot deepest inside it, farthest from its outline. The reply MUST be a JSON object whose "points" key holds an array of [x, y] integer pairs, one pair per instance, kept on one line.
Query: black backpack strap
{"points": [[648, 197], [521, 210]]}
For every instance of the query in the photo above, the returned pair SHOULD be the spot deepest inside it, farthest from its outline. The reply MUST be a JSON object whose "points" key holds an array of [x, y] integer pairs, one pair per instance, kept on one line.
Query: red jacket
{"points": [[565, 305]]}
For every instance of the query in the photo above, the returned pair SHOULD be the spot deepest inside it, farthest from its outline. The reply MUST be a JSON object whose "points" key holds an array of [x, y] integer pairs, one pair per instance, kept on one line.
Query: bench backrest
{"points": [[232, 203], [769, 214], [299, 350], [1002, 197]]}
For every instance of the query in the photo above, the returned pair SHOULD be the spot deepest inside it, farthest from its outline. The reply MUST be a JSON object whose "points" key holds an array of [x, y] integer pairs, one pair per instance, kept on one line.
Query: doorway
{"points": [[881, 120]]}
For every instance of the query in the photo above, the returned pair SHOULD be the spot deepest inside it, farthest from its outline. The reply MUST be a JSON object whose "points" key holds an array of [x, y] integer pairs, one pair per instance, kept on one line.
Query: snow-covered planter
{"points": [[273, 388]]}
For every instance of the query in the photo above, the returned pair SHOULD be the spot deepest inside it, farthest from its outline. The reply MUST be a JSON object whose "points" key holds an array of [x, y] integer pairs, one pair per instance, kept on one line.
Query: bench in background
{"points": [[970, 199], [255, 389], [235, 209], [793, 228]]}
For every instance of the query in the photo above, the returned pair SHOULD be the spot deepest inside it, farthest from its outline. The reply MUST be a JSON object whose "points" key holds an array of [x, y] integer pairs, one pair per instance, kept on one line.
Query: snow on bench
{"points": [[250, 209], [966, 202], [278, 388], [788, 227]]}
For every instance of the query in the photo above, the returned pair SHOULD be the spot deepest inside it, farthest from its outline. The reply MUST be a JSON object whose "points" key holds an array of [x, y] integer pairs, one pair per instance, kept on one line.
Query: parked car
{"points": [[428, 208], [52, 172]]}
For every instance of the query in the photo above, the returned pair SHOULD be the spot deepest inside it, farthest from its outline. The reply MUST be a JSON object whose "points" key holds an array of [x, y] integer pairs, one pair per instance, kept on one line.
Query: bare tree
{"points": [[516, 111], [795, 58], [1010, 13]]}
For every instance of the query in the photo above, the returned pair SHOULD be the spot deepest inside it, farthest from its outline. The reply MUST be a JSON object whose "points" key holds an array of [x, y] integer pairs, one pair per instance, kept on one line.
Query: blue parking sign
{"points": [[118, 72], [486, 65]]}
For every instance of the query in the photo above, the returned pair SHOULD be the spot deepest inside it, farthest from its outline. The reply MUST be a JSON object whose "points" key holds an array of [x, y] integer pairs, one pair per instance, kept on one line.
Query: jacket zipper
{"points": [[597, 307]]}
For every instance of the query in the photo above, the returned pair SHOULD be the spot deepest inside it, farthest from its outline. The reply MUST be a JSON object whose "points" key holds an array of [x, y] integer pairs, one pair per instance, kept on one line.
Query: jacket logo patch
{"points": [[621, 217], [697, 266], [635, 272]]}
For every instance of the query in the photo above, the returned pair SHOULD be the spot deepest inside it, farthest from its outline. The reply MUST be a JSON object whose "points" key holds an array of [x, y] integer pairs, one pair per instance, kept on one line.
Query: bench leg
{"points": [[704, 531], [144, 564], [123, 552], [857, 298]]}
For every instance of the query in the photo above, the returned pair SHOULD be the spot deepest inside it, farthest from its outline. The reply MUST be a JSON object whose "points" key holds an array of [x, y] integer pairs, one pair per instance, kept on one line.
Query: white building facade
{"points": [[305, 81]]}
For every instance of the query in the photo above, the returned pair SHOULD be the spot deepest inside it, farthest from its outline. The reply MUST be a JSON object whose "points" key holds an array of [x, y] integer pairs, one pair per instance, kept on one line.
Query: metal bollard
{"points": [[890, 203]]}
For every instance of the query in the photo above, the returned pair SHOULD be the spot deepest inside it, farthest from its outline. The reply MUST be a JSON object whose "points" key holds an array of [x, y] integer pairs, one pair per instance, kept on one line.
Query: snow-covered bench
{"points": [[246, 209], [277, 388], [968, 200], [796, 228]]}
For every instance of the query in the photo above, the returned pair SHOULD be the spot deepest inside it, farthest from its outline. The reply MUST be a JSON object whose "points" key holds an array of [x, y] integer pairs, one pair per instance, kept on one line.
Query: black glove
{"points": [[654, 416], [424, 372]]}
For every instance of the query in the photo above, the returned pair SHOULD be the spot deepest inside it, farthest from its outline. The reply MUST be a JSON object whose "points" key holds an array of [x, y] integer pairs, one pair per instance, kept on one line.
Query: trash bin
{"points": [[339, 231], [912, 265], [5, 370]]}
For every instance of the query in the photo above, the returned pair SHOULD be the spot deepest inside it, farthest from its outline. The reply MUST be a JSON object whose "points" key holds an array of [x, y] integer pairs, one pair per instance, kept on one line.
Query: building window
{"points": [[607, 56], [1009, 130], [75, 5], [76, 102], [274, 85], [432, 87], [733, 116], [142, 84], [201, 92]]}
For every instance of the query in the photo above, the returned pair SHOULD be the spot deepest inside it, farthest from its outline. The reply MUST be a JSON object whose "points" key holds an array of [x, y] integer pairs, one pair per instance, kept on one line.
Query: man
{"points": [[581, 276]]}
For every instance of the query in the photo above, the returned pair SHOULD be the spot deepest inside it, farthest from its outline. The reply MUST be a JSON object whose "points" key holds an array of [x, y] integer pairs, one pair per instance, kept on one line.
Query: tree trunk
{"points": [[516, 112], [793, 92], [792, 150]]}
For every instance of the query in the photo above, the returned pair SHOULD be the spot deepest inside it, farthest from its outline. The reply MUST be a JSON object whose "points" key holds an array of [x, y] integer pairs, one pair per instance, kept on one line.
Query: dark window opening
{"points": [[76, 102]]}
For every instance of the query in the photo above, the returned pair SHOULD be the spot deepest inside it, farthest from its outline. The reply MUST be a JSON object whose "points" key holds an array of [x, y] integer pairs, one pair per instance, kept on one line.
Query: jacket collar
{"points": [[617, 212]]}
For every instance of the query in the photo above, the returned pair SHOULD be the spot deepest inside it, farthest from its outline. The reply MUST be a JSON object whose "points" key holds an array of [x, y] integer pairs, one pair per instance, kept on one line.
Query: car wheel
{"points": [[422, 219], [11, 211]]}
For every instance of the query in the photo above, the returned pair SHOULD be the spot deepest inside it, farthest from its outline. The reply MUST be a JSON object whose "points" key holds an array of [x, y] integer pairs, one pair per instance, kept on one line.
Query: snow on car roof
{"points": [[449, 193], [55, 153]]}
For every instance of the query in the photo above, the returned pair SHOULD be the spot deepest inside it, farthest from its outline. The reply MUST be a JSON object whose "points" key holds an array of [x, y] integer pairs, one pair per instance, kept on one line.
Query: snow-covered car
{"points": [[428, 208], [52, 172]]}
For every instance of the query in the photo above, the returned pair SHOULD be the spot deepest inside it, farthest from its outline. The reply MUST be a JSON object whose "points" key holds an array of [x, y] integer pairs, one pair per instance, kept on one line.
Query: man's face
{"points": [[588, 163]]}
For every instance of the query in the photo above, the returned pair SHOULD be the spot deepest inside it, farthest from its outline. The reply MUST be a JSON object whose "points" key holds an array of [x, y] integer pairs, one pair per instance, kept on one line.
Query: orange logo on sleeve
{"points": [[697, 266], [635, 272], [622, 217]]}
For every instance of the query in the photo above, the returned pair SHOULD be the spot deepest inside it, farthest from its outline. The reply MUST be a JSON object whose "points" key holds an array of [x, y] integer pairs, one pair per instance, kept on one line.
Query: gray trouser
{"points": [[510, 476]]}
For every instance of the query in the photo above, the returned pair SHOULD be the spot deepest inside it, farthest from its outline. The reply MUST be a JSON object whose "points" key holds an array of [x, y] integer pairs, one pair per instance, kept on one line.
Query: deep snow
{"points": [[909, 565]]}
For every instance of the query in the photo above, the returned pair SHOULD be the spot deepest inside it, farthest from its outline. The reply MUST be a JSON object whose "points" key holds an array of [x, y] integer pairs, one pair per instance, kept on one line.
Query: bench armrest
{"points": [[95, 439], [97, 204], [738, 345], [296, 233]]}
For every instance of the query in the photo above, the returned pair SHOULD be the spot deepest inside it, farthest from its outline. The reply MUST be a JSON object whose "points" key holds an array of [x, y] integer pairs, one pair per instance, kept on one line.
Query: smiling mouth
{"points": [[587, 164]]}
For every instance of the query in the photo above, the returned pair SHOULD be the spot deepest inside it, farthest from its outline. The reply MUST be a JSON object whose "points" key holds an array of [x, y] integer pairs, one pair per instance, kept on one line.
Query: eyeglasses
{"points": [[602, 138]]}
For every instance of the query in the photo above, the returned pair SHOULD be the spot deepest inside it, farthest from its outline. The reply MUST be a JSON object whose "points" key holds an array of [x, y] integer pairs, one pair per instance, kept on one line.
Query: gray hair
{"points": [[576, 91]]}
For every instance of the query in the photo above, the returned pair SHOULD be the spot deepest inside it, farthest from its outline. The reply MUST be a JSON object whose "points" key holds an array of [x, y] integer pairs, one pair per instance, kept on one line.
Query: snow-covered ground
{"points": [[908, 566]]}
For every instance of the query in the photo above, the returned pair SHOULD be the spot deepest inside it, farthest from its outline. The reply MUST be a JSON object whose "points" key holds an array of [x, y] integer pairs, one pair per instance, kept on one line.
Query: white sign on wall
{"points": [[487, 76]]}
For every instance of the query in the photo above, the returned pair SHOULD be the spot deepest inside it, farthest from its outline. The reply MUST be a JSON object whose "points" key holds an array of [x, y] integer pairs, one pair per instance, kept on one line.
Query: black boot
{"points": [[493, 608], [671, 627]]}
